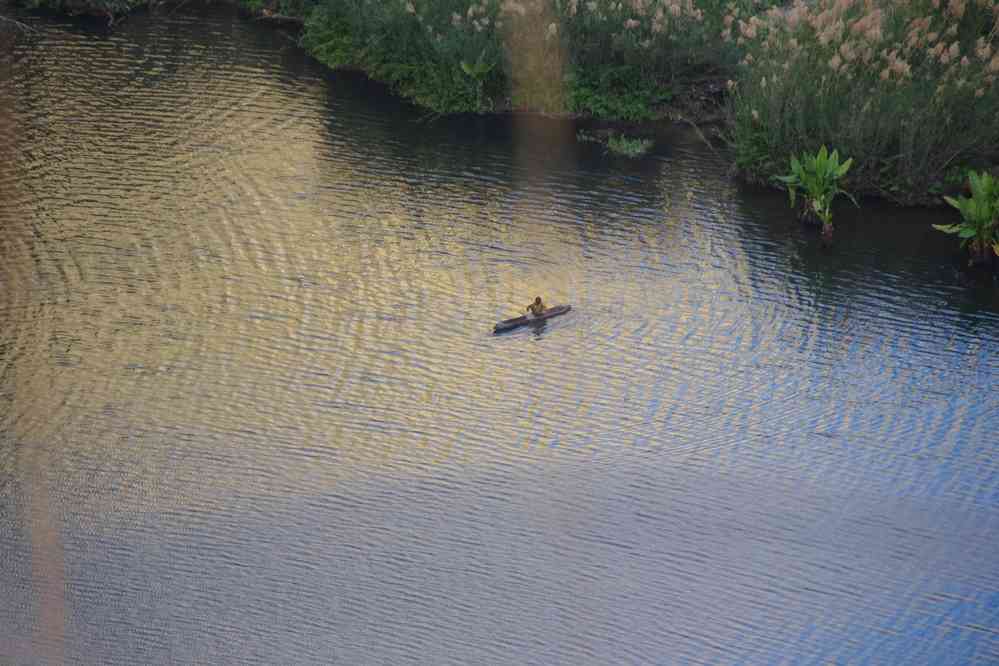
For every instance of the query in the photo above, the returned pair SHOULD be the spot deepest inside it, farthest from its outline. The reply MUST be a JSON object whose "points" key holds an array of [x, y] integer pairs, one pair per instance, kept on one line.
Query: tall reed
{"points": [[905, 87], [612, 58]]}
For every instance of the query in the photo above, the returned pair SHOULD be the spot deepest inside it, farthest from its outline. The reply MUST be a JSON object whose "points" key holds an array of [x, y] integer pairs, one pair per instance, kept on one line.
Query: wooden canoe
{"points": [[516, 322]]}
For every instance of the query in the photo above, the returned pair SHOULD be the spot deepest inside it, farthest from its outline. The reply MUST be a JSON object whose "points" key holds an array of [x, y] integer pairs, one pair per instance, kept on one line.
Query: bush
{"points": [[818, 177], [613, 59], [624, 58], [979, 226], [616, 143], [429, 52], [906, 88], [628, 146]]}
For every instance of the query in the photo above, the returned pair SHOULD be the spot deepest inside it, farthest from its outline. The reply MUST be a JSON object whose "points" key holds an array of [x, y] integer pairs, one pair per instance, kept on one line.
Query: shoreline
{"points": [[702, 102]]}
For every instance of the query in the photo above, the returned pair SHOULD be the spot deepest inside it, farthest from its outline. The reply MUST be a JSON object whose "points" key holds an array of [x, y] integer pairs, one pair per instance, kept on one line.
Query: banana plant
{"points": [[818, 177], [979, 225]]}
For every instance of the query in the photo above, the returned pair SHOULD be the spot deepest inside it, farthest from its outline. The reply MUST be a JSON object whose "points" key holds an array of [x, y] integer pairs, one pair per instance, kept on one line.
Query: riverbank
{"points": [[504, 57], [909, 92]]}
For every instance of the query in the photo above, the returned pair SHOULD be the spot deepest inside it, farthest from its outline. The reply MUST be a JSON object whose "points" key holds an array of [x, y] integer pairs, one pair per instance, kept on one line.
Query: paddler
{"points": [[537, 308]]}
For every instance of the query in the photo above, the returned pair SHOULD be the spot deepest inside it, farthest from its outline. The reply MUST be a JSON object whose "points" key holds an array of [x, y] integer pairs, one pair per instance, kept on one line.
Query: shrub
{"points": [[442, 54], [610, 58], [979, 226], [628, 146], [619, 91], [624, 58], [616, 143], [818, 176], [906, 88]]}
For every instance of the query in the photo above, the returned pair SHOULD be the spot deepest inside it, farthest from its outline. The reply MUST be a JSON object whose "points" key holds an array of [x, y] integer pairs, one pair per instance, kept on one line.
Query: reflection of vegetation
{"points": [[979, 226]]}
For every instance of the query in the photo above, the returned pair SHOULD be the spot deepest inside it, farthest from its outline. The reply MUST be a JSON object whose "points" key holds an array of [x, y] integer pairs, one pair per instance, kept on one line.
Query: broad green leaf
{"points": [[953, 202], [966, 232], [947, 228], [817, 174], [977, 184]]}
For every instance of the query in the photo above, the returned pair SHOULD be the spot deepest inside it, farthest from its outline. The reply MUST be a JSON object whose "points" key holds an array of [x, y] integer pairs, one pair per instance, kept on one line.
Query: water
{"points": [[251, 411]]}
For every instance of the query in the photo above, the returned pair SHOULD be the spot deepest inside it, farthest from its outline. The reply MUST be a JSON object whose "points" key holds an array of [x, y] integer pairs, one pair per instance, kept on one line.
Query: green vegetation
{"points": [[616, 143], [440, 55], [906, 88], [606, 58], [615, 59], [624, 59], [614, 92], [818, 176], [979, 226], [627, 146]]}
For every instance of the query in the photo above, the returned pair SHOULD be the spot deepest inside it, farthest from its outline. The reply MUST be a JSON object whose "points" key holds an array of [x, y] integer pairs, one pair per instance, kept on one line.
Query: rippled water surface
{"points": [[251, 410]]}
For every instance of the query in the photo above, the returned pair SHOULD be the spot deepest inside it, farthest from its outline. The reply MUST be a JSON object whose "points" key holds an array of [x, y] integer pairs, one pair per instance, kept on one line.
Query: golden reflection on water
{"points": [[42, 521], [218, 318], [249, 302], [178, 323]]}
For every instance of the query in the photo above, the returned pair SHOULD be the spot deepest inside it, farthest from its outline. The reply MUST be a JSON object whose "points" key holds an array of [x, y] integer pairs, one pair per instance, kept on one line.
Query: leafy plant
{"points": [[907, 89], [818, 176], [627, 146], [616, 143], [618, 92], [979, 225], [478, 71]]}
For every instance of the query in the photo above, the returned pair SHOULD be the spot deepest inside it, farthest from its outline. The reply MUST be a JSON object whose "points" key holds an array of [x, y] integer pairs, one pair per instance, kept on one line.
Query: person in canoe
{"points": [[535, 309]]}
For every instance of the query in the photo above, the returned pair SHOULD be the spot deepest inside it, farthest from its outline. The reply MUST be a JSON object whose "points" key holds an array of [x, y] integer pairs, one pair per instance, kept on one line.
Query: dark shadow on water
{"points": [[538, 328], [876, 247]]}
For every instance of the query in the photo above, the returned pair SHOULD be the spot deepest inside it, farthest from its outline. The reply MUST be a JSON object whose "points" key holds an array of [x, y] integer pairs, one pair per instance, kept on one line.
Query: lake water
{"points": [[252, 412]]}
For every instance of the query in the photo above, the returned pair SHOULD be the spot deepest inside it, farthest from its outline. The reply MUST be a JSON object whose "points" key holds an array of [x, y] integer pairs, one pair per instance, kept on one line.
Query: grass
{"points": [[908, 90]]}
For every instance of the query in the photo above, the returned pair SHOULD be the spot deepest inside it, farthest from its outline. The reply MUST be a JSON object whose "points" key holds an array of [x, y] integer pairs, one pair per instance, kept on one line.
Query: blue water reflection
{"points": [[252, 411]]}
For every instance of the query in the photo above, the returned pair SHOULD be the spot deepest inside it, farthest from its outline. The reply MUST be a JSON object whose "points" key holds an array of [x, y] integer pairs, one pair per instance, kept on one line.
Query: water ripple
{"points": [[246, 367]]}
